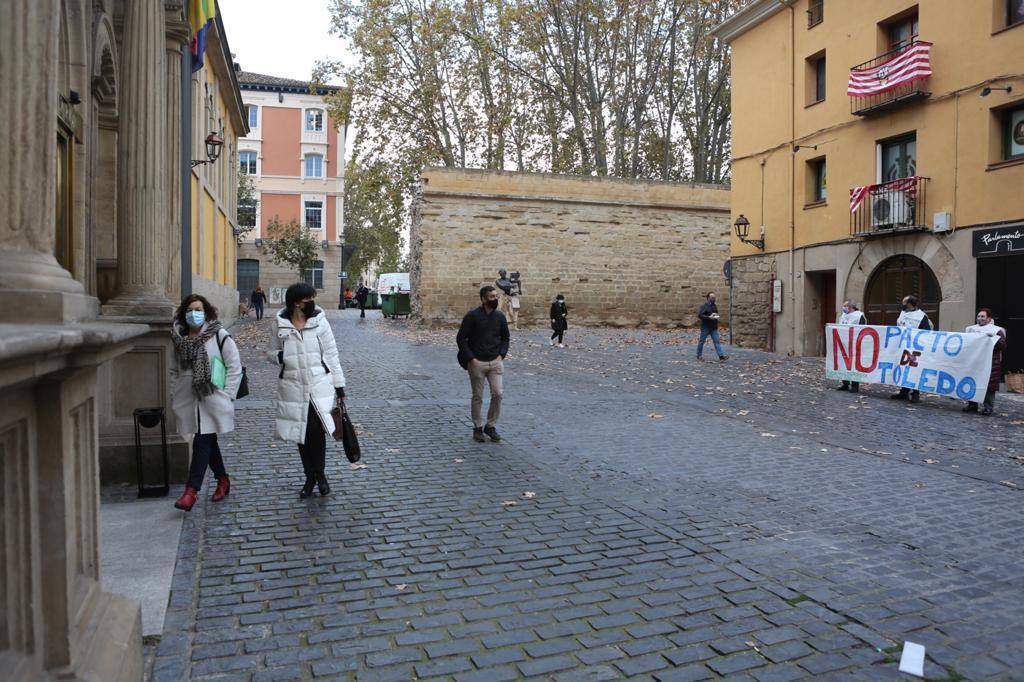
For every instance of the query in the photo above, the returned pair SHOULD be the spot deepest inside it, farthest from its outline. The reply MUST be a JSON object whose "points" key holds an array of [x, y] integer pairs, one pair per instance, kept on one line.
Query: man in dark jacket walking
{"points": [[709, 327], [483, 344], [361, 294]]}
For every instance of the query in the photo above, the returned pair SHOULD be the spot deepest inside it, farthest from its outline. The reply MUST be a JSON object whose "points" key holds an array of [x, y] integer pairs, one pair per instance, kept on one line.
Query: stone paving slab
{"points": [[621, 529]]}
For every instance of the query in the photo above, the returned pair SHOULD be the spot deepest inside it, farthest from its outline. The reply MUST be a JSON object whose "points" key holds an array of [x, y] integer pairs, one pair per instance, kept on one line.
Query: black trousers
{"points": [[314, 451], [558, 333], [205, 453], [259, 311]]}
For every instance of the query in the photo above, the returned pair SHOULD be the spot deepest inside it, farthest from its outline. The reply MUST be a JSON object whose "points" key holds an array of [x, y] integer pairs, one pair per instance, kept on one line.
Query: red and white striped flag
{"points": [[857, 195], [908, 66], [907, 185]]}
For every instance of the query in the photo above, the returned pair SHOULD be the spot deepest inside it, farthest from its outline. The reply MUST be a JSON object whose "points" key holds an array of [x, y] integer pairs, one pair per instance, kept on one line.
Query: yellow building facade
{"points": [[937, 164], [216, 108]]}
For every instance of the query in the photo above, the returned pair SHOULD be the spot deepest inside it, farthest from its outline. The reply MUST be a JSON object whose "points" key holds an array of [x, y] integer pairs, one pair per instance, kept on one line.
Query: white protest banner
{"points": [[952, 364]]}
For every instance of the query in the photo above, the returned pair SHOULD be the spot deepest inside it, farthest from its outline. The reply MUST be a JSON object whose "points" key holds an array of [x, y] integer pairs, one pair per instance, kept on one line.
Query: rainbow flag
{"points": [[200, 17]]}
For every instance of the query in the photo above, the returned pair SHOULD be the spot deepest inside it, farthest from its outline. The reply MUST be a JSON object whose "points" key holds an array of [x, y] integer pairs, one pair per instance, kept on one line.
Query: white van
{"points": [[398, 280]]}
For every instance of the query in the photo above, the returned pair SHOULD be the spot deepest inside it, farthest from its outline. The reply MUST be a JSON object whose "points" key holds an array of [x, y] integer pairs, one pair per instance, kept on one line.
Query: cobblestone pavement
{"points": [[645, 516]]}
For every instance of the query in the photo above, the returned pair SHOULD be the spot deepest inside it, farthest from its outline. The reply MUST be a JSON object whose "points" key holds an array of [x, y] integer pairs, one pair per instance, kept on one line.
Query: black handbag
{"points": [[243, 385], [345, 431]]}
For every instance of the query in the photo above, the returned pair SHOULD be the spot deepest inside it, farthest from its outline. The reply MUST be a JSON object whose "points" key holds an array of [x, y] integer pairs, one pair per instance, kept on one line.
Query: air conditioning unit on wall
{"points": [[890, 209]]}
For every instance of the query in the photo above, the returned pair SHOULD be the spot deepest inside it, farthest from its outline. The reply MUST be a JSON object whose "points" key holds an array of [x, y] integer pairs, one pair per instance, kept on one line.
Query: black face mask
{"points": [[492, 304], [309, 309]]}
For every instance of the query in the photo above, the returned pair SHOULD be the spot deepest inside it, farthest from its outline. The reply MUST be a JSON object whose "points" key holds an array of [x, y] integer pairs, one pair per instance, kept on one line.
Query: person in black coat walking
{"points": [[709, 327], [361, 295], [559, 320]]}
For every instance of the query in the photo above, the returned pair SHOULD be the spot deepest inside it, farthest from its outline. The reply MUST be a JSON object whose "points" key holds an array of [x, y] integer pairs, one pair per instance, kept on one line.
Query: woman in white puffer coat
{"points": [[310, 381]]}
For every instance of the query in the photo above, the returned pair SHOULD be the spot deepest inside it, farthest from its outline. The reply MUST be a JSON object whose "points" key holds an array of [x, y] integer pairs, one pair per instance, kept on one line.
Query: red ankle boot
{"points": [[223, 488], [187, 499]]}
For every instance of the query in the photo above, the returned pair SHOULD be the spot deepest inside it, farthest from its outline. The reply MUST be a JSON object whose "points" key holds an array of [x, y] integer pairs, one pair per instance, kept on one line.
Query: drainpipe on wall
{"points": [[186, 171], [792, 179]]}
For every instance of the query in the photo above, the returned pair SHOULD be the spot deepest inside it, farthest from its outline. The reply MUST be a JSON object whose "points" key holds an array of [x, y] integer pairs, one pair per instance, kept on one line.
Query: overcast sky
{"points": [[280, 38]]}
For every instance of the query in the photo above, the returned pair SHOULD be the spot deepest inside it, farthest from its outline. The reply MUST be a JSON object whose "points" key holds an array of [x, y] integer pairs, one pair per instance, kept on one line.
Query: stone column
{"points": [[142, 167], [28, 269], [177, 40]]}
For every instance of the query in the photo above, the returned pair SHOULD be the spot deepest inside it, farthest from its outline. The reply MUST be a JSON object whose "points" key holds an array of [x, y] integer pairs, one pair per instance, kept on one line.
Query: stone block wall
{"points": [[752, 303], [624, 253]]}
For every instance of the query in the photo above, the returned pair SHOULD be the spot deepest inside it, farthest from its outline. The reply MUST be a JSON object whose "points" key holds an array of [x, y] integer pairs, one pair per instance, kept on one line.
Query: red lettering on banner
{"points": [[838, 349], [861, 367]]}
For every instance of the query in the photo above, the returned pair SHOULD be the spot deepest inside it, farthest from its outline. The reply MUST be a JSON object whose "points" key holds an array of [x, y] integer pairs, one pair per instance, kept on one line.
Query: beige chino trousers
{"points": [[491, 373]]}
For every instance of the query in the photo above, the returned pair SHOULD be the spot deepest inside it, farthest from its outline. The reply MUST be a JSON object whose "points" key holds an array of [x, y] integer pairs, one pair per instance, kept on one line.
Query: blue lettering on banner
{"points": [[960, 345], [897, 374], [917, 337], [946, 383], [938, 337], [891, 333], [905, 337], [927, 374], [907, 383], [966, 389], [885, 367]]}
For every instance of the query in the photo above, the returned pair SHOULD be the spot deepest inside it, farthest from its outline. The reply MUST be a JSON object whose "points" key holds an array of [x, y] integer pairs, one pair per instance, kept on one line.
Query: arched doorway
{"points": [[895, 278]]}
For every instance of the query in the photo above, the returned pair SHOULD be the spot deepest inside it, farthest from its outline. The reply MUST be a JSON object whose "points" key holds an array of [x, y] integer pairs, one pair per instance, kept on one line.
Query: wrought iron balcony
{"points": [[897, 77], [893, 207]]}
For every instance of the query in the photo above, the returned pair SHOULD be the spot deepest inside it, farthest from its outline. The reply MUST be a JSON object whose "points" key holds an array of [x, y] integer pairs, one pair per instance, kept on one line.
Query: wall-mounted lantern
{"points": [[214, 142], [742, 226]]}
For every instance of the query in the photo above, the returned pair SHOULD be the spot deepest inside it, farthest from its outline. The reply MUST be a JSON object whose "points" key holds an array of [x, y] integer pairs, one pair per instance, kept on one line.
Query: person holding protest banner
{"points": [[914, 318], [988, 327], [851, 315]]}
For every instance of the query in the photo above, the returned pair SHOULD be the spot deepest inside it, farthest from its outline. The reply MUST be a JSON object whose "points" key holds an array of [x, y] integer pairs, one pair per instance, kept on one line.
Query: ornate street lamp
{"points": [[742, 226], [214, 142]]}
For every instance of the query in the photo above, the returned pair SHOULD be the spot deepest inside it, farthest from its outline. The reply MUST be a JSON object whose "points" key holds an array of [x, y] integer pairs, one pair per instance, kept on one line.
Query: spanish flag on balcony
{"points": [[200, 17]]}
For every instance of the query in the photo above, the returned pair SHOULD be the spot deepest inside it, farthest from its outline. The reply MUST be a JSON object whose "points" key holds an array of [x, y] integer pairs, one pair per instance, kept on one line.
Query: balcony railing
{"points": [[889, 208], [815, 12], [890, 65]]}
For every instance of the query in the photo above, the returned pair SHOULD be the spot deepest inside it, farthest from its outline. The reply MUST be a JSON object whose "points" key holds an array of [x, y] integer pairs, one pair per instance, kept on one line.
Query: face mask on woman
{"points": [[195, 318], [309, 309]]}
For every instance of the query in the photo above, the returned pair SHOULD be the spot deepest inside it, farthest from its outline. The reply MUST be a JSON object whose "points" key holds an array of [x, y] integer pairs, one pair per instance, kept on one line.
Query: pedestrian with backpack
{"points": [[310, 382], [206, 374]]}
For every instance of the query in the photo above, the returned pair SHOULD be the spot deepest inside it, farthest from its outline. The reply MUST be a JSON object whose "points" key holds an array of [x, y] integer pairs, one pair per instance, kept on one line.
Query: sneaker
{"points": [[492, 433], [561, 345], [723, 358], [898, 396], [478, 436], [842, 388], [551, 342], [986, 411], [970, 408]]}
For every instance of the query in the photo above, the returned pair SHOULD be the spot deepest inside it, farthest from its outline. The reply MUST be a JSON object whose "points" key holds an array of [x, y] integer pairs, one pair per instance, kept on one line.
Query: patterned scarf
{"points": [[191, 354]]}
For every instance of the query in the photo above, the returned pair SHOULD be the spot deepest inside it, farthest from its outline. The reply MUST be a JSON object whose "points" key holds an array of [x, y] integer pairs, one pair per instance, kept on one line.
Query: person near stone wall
{"points": [[851, 315], [201, 408], [559, 320], [310, 382], [709, 317], [483, 340], [985, 325], [257, 298], [915, 318]]}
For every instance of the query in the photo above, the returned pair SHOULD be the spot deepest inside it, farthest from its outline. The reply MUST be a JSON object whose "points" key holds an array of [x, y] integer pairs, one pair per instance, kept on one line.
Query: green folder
{"points": [[219, 374]]}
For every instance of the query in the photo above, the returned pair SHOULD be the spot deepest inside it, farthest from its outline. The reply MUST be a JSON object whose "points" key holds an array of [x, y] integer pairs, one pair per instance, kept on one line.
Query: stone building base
{"points": [[275, 279]]}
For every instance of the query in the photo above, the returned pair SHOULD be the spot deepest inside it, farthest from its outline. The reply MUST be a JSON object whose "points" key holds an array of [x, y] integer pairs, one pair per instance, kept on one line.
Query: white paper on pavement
{"points": [[912, 660]]}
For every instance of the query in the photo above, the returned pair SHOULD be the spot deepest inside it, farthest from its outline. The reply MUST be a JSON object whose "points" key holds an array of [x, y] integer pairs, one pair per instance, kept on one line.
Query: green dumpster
{"points": [[395, 304]]}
